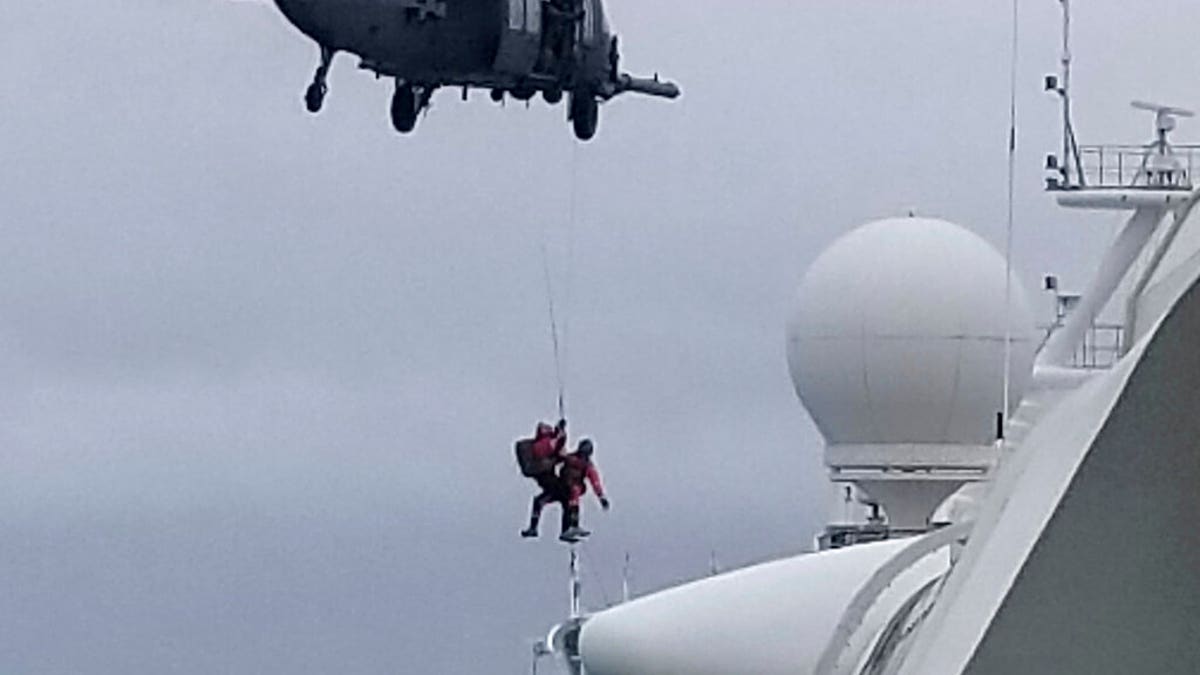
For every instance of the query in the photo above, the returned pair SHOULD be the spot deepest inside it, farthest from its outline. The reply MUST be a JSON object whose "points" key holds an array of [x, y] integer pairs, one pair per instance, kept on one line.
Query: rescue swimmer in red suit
{"points": [[567, 485], [547, 453], [576, 473]]}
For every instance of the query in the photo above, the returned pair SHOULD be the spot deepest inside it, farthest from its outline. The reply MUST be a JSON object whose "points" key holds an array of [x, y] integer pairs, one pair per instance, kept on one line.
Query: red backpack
{"points": [[531, 466]]}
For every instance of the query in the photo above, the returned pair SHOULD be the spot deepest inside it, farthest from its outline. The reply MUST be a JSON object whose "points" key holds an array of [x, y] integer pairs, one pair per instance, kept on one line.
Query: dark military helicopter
{"points": [[516, 48]]}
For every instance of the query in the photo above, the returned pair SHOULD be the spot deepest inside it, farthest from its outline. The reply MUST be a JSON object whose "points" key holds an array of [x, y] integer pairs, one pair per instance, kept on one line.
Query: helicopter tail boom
{"points": [[645, 85]]}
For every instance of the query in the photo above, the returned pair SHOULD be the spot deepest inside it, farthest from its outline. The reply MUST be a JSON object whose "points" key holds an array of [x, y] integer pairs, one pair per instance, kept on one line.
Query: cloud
{"points": [[263, 370]]}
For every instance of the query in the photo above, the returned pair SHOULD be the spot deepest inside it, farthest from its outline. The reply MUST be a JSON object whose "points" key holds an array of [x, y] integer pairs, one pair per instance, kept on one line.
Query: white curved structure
{"points": [[896, 347], [897, 336], [1083, 560], [785, 620], [1089, 563], [1078, 557]]}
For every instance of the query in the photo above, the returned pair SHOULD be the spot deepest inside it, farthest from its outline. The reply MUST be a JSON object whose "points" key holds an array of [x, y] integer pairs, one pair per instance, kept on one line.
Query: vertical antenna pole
{"points": [[625, 580], [1006, 402], [1070, 157], [575, 583], [1066, 80]]}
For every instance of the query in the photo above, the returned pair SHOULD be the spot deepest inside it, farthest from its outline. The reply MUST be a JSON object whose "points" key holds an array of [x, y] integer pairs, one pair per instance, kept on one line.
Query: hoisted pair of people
{"points": [[562, 476]]}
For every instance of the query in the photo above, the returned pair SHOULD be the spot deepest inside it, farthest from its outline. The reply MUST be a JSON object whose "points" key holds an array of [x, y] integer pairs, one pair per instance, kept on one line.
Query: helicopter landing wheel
{"points": [[585, 115], [405, 108], [314, 97]]}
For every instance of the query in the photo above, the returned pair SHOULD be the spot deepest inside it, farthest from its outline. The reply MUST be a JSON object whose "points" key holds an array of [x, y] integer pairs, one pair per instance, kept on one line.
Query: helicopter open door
{"points": [[521, 38]]}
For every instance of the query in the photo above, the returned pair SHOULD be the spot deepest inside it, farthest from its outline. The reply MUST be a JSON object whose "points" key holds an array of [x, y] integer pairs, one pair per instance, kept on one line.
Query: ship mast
{"points": [[1065, 91], [1068, 165]]}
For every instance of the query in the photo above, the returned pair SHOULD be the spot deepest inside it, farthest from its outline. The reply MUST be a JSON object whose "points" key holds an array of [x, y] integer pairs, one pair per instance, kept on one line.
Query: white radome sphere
{"points": [[897, 336]]}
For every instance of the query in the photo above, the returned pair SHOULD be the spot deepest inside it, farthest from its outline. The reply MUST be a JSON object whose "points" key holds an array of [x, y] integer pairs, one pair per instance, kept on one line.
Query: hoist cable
{"points": [[558, 370], [558, 336], [569, 292]]}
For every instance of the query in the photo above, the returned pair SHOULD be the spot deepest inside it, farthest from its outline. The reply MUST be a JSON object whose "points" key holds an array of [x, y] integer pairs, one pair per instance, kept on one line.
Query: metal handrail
{"points": [[1125, 166], [1101, 347], [831, 662]]}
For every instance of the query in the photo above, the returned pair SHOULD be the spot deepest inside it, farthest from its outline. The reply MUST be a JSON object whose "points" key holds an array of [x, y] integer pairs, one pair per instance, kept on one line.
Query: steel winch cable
{"points": [[559, 377], [558, 338]]}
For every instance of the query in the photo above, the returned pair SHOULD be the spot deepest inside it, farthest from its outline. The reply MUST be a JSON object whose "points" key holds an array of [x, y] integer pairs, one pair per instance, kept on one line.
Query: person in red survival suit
{"points": [[548, 445], [576, 472]]}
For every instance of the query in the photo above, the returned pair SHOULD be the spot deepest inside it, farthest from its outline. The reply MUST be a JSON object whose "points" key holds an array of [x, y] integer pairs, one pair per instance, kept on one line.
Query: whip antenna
{"points": [[1008, 229]]}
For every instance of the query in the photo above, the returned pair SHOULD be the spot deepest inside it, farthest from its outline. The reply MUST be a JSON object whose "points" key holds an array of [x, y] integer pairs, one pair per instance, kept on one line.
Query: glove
{"points": [[562, 425], [604, 503]]}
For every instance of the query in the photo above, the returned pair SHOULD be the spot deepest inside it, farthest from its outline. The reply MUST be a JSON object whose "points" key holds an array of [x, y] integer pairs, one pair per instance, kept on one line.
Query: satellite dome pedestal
{"points": [[896, 347], [909, 481]]}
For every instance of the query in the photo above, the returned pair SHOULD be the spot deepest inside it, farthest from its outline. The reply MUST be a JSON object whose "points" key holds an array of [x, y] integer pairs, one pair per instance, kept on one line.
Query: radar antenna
{"points": [[1164, 121], [1160, 167], [1112, 167]]}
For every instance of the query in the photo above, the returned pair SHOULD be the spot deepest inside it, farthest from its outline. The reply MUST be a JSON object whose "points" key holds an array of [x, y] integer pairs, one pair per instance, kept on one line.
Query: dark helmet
{"points": [[586, 448], [544, 429]]}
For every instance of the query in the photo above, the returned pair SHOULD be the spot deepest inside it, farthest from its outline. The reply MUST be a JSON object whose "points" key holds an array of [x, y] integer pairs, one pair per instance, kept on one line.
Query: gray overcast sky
{"points": [[261, 371]]}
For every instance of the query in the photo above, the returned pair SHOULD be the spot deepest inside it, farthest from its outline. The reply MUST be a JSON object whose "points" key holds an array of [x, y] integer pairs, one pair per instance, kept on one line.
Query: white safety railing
{"points": [[1133, 167]]}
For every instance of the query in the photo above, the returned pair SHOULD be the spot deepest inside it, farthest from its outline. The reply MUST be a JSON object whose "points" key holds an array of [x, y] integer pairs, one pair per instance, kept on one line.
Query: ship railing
{"points": [[846, 649], [845, 536], [1101, 347], [1129, 167]]}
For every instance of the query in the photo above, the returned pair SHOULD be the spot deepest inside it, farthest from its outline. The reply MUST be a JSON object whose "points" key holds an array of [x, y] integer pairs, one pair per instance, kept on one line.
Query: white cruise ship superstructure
{"points": [[1031, 492]]}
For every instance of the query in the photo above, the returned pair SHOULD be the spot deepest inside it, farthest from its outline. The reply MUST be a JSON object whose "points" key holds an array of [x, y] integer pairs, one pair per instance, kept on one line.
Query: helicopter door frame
{"points": [[521, 38]]}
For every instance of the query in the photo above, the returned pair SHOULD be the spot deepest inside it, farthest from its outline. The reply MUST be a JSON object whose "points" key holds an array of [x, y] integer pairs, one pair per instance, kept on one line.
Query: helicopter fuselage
{"points": [[561, 48], [478, 43]]}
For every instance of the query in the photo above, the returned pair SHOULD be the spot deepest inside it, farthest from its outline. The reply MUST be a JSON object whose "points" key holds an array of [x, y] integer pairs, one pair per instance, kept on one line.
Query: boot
{"points": [[573, 532], [531, 532]]}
